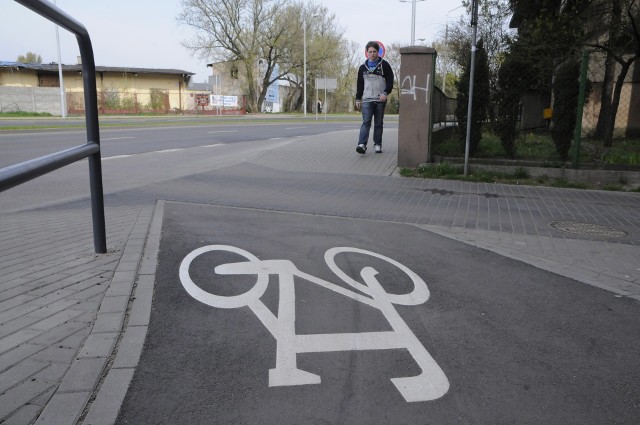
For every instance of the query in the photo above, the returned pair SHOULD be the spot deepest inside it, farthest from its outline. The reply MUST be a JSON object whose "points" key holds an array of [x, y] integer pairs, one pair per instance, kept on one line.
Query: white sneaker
{"points": [[377, 148], [361, 148]]}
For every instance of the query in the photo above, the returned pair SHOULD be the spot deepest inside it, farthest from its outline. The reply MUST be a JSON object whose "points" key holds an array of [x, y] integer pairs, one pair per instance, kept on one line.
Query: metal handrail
{"points": [[20, 173]]}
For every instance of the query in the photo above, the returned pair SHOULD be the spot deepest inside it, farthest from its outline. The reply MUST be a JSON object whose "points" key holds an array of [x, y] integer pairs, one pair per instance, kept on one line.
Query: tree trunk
{"points": [[605, 97], [251, 86], [611, 124], [606, 107]]}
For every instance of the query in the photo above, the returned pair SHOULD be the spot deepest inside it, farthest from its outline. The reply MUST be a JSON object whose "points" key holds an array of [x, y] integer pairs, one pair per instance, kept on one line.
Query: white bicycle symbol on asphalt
{"points": [[428, 385]]}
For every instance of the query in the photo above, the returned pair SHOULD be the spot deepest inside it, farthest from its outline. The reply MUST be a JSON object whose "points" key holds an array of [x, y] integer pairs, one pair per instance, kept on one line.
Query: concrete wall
{"points": [[30, 99], [25, 81]]}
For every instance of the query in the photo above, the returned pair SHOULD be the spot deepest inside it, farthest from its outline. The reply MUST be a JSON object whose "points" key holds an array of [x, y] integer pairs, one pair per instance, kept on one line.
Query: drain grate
{"points": [[588, 229]]}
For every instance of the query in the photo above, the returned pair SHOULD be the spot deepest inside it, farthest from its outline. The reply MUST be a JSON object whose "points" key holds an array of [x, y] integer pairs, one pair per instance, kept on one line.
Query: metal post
{"points": [[304, 42], [93, 136], [444, 60], [474, 24], [413, 23], [413, 19], [324, 109], [63, 101], [577, 134]]}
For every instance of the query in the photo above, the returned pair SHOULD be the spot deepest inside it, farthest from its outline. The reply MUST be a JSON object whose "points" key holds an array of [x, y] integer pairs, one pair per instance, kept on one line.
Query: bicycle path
{"points": [[286, 337]]}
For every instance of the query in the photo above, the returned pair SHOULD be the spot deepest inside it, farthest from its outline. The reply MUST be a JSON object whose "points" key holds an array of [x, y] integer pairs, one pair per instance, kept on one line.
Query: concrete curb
{"points": [[616, 284], [109, 394]]}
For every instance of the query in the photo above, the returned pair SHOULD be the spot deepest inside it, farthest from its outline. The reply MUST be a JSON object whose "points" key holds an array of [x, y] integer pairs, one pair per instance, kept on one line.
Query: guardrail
{"points": [[20, 173]]}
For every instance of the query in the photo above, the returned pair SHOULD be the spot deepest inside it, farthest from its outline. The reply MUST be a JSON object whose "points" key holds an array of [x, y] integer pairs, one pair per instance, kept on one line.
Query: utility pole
{"points": [[474, 25]]}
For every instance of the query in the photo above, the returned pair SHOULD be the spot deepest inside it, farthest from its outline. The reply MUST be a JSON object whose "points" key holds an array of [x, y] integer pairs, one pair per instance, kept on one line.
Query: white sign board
{"points": [[326, 83], [225, 101]]}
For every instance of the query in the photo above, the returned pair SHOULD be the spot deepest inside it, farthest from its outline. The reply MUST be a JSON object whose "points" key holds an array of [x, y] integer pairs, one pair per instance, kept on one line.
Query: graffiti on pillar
{"points": [[408, 86], [430, 384]]}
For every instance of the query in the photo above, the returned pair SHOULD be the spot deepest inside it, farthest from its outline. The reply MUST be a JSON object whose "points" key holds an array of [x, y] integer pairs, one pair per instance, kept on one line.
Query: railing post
{"points": [[93, 135]]}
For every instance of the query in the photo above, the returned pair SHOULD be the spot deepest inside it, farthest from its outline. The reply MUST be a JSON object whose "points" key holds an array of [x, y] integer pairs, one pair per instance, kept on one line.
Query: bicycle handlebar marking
{"points": [[429, 385]]}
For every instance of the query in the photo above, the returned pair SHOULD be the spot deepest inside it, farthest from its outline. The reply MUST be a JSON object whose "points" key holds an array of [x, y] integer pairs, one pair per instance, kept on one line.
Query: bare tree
{"points": [[346, 71], [259, 34], [394, 58], [493, 29]]}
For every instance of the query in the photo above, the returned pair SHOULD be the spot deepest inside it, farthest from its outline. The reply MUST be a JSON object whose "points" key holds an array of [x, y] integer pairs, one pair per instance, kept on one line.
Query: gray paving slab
{"points": [[52, 373], [19, 373], [18, 354], [98, 345], [104, 410], [83, 375], [114, 304], [130, 347], [63, 409], [19, 396], [25, 415]]}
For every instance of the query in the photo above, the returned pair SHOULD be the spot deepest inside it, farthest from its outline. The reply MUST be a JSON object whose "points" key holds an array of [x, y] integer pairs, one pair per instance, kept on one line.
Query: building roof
{"points": [[53, 67]]}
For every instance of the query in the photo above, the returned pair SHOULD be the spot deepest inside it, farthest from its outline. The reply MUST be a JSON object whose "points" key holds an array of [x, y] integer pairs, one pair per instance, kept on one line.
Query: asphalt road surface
{"points": [[18, 146], [134, 157], [276, 318]]}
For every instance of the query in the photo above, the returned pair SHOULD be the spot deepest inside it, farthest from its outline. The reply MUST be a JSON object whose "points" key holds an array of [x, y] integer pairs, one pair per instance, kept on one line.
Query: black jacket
{"points": [[371, 84]]}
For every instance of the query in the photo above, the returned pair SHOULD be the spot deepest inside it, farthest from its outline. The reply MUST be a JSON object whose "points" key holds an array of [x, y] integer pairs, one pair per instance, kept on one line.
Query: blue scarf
{"points": [[372, 65]]}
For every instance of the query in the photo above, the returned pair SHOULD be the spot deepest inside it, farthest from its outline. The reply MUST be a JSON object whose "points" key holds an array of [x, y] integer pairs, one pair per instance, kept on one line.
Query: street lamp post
{"points": [[304, 42], [304, 82], [63, 101], [413, 19], [474, 25]]}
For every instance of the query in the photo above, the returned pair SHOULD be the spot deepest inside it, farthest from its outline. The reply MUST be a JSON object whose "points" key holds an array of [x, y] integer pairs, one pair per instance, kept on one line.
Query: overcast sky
{"points": [[145, 33]]}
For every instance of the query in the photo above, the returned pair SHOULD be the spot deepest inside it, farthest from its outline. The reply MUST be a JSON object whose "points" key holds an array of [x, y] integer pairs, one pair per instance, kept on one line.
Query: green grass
{"points": [[626, 151], [540, 147], [449, 171], [25, 114]]}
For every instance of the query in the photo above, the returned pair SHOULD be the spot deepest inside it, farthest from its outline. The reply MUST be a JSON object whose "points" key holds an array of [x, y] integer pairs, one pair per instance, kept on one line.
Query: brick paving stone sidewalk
{"points": [[59, 317]]}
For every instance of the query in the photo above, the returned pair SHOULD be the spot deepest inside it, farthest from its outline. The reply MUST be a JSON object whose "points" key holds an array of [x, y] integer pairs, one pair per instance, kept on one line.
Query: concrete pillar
{"points": [[417, 72]]}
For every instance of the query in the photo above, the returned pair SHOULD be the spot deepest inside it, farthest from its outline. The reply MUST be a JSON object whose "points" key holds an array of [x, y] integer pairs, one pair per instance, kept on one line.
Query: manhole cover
{"points": [[588, 229]]}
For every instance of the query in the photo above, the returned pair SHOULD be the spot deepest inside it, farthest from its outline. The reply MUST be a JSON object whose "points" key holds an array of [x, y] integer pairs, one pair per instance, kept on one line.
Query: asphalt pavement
{"points": [[529, 314]]}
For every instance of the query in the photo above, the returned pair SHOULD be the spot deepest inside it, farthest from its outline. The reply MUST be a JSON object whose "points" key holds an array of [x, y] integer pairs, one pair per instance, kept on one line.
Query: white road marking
{"points": [[118, 138], [164, 151], [222, 131], [428, 385], [116, 157], [294, 128], [170, 150]]}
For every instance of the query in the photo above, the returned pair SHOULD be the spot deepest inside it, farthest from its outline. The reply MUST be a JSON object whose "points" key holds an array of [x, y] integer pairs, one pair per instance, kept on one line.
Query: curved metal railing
{"points": [[20, 173]]}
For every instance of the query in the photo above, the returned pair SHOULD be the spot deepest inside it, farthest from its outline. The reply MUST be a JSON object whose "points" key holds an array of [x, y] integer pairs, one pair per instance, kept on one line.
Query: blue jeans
{"points": [[375, 111]]}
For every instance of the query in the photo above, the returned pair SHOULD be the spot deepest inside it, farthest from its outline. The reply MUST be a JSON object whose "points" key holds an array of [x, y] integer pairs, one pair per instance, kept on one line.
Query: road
{"points": [[146, 136], [160, 153]]}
